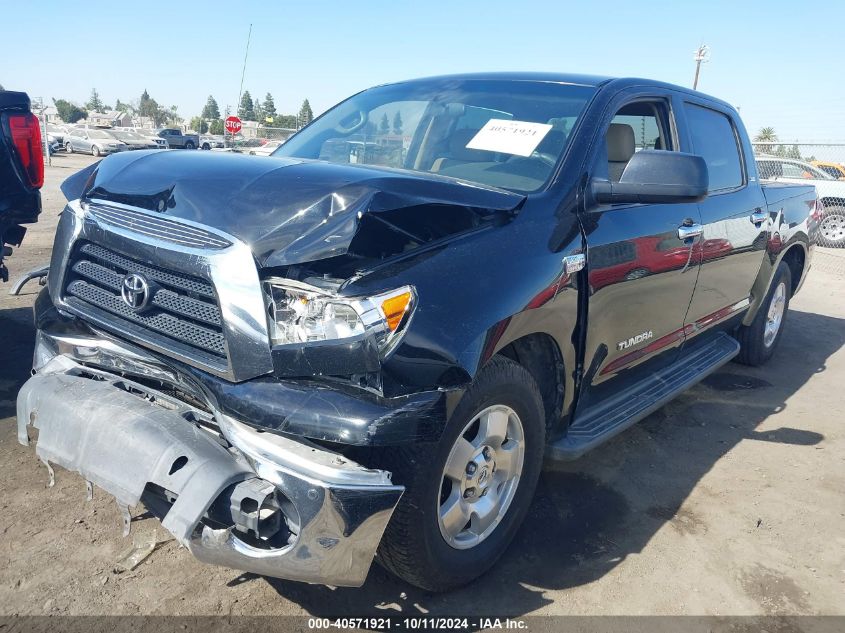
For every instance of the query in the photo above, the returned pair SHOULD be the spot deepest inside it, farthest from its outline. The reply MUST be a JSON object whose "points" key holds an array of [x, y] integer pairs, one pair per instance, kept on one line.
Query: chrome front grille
{"points": [[162, 228], [181, 308]]}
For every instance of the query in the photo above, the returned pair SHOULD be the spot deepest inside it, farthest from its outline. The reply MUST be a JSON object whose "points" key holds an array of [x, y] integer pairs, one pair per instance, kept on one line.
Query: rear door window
{"points": [[714, 139]]}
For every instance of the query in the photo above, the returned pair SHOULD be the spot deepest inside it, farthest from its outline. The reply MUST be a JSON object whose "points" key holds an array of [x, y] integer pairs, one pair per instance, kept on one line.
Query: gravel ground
{"points": [[729, 500]]}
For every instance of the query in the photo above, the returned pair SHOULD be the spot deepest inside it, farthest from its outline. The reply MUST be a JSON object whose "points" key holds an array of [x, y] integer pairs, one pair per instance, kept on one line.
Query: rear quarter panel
{"points": [[792, 226]]}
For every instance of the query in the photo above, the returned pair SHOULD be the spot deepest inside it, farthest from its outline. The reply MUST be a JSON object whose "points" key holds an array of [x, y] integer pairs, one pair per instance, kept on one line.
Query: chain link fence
{"points": [[828, 158], [821, 164]]}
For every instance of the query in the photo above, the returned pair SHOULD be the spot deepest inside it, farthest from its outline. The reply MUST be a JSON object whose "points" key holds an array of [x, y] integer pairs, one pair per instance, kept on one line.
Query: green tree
{"points": [[123, 107], [148, 107], [69, 112], [306, 115], [397, 123], [94, 103], [384, 125], [211, 110], [259, 112], [246, 109], [285, 120], [766, 135], [793, 152], [216, 126], [199, 124], [172, 115], [269, 107]]}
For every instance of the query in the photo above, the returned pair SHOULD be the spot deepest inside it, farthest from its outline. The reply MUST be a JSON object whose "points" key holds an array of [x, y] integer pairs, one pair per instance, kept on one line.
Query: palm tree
{"points": [[768, 136]]}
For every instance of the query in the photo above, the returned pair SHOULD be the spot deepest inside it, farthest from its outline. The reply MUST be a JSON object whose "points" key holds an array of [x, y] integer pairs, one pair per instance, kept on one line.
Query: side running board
{"points": [[599, 423]]}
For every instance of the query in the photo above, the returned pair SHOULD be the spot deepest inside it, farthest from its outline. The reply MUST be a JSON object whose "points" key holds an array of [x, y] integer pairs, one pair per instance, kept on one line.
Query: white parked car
{"points": [[212, 141], [265, 150], [831, 192]]}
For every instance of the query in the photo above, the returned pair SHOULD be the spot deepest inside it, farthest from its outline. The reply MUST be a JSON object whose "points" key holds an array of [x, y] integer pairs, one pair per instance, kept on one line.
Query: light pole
{"points": [[702, 55]]}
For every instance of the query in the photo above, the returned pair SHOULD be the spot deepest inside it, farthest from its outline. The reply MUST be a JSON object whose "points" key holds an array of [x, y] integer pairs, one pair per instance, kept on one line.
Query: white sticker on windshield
{"points": [[511, 137]]}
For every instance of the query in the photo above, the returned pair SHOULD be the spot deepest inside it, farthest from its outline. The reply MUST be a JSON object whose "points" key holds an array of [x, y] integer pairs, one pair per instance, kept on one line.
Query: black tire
{"points": [[755, 348], [189, 145], [413, 547], [206, 146], [95, 151], [832, 227]]}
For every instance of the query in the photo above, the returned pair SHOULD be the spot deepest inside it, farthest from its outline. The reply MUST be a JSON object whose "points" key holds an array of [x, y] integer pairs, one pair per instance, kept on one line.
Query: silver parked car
{"points": [[133, 140], [94, 142], [152, 136], [212, 141]]}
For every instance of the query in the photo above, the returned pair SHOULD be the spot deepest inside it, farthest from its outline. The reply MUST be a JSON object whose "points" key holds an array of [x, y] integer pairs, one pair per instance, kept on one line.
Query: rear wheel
{"points": [[759, 340], [832, 227], [189, 145], [466, 496]]}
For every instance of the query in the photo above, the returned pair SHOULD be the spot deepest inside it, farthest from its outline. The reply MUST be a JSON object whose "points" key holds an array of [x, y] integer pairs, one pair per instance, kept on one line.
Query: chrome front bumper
{"points": [[123, 437]]}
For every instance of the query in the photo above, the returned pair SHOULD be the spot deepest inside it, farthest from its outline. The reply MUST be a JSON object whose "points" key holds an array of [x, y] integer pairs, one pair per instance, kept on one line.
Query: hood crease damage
{"points": [[292, 211]]}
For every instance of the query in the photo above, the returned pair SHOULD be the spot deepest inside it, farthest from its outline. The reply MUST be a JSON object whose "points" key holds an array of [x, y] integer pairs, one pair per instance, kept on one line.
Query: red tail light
{"points": [[818, 210], [26, 137]]}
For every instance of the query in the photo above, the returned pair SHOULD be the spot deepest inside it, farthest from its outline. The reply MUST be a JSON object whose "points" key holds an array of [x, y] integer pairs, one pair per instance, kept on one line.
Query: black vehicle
{"points": [[21, 171], [367, 345]]}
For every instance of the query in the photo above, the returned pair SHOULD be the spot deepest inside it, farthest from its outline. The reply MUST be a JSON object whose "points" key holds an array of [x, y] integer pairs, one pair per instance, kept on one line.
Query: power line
{"points": [[243, 72]]}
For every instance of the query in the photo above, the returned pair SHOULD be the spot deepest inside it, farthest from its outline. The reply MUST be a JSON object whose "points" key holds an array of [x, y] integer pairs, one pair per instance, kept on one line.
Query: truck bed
{"points": [[777, 192]]}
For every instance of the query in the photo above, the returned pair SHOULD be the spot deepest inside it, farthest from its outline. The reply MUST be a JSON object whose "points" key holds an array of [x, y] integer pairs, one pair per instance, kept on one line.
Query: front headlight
{"points": [[300, 313]]}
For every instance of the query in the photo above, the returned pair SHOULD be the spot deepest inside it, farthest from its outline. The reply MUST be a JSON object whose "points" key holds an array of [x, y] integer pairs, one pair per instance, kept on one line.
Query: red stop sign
{"points": [[233, 125]]}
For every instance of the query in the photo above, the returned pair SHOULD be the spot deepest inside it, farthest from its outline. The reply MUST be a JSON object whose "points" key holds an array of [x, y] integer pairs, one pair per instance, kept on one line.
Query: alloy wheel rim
{"points": [[481, 476], [833, 228], [774, 318]]}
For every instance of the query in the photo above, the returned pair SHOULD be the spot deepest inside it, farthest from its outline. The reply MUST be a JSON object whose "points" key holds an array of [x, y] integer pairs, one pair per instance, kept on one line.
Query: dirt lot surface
{"points": [[727, 501]]}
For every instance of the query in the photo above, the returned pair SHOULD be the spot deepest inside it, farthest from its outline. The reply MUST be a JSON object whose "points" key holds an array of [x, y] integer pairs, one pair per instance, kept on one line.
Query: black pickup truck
{"points": [[366, 345], [21, 171]]}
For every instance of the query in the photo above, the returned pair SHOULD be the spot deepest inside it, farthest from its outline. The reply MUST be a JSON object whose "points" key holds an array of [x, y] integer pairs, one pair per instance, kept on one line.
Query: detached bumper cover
{"points": [[121, 436]]}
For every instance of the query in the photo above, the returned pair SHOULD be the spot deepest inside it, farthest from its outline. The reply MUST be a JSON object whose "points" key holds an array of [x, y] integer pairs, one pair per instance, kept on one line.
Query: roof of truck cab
{"points": [[594, 81]]}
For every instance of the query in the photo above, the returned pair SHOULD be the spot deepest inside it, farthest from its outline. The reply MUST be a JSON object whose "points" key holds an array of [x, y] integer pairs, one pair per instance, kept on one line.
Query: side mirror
{"points": [[656, 176]]}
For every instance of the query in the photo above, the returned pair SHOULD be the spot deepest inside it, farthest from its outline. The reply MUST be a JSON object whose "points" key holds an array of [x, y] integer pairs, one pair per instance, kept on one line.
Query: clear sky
{"points": [[777, 60]]}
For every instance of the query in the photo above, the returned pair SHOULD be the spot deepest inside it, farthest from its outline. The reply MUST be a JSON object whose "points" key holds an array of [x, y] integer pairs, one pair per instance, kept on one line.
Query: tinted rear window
{"points": [[714, 139]]}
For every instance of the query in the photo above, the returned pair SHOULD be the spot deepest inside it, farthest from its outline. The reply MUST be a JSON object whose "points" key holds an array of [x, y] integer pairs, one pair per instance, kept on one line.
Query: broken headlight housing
{"points": [[301, 313]]}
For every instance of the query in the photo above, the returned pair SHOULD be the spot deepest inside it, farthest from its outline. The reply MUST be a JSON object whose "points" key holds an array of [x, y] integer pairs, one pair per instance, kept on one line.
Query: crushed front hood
{"points": [[288, 210]]}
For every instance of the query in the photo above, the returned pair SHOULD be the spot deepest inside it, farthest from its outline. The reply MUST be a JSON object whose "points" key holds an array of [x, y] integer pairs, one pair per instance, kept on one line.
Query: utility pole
{"points": [[702, 55], [42, 113]]}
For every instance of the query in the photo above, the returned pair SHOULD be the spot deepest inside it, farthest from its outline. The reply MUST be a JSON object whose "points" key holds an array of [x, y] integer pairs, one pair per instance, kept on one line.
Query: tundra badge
{"points": [[635, 340]]}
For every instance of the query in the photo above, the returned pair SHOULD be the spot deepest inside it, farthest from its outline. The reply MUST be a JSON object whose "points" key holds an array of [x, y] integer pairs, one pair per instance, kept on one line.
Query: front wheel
{"points": [[832, 227], [189, 145], [759, 339], [69, 148], [465, 497], [95, 151]]}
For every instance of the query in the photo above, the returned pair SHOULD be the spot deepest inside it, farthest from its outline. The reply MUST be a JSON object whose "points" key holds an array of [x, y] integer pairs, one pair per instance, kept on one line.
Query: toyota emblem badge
{"points": [[135, 291]]}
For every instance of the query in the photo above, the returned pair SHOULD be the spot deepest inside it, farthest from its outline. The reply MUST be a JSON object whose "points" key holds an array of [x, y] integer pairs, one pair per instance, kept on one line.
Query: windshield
{"points": [[507, 134]]}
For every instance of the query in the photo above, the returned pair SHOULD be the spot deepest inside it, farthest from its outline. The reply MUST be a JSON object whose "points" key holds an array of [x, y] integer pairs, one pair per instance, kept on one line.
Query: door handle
{"points": [[759, 216], [686, 232]]}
